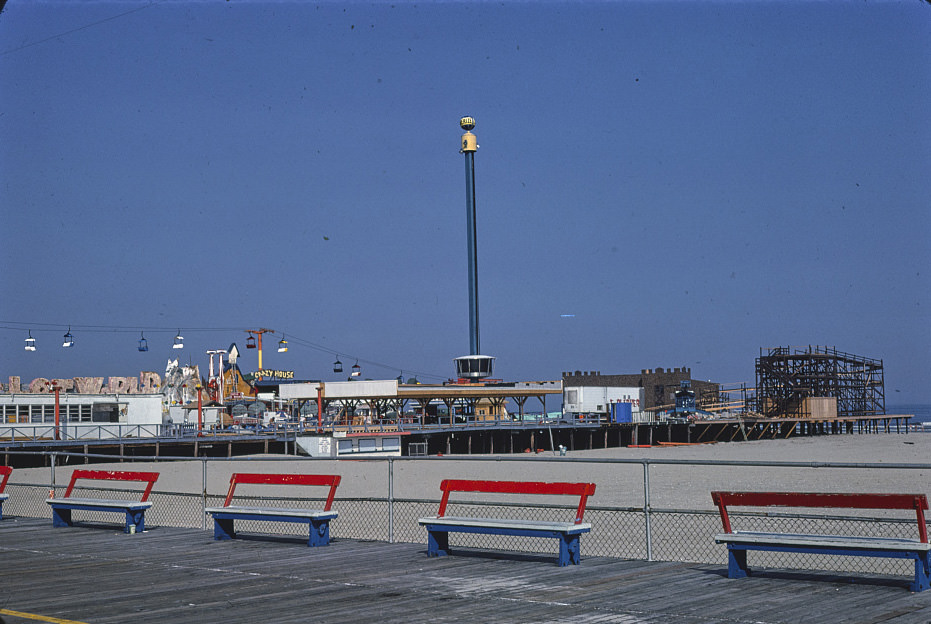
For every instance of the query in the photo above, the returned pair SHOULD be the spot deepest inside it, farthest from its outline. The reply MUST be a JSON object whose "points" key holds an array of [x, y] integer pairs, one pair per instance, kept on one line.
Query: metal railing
{"points": [[446, 423], [651, 509], [79, 431], [115, 432]]}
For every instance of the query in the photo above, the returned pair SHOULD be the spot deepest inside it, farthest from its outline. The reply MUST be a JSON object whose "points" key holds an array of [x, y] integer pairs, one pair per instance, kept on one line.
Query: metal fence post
{"points": [[390, 501], [203, 509], [53, 474], [646, 508]]}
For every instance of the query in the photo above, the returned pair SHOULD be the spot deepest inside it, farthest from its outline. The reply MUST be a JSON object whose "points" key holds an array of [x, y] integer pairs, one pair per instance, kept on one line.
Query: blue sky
{"points": [[691, 180]]}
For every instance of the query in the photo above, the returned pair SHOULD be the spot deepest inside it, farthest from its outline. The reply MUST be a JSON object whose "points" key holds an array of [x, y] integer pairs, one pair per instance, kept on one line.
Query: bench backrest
{"points": [[582, 490], [917, 502], [114, 475], [4, 476], [252, 478]]}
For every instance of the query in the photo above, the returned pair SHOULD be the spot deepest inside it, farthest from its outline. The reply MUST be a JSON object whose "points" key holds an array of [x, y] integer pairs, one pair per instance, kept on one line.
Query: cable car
{"points": [[69, 339], [337, 366], [179, 341], [282, 345], [30, 342], [356, 369], [143, 343], [250, 342]]}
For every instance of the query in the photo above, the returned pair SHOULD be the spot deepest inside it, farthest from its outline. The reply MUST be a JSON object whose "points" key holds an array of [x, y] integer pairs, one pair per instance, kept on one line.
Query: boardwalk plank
{"points": [[99, 575]]}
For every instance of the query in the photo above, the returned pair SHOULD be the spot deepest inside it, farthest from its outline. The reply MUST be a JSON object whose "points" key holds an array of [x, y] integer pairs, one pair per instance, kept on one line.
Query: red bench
{"points": [[318, 520], [568, 533], [134, 510], [739, 542], [5, 474]]}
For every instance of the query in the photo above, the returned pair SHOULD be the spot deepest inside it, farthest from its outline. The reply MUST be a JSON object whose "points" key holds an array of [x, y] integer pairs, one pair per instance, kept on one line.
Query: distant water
{"points": [[921, 411]]}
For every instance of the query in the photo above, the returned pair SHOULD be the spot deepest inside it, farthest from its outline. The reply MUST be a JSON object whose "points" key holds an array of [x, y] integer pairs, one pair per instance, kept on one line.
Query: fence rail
{"points": [[652, 509]]}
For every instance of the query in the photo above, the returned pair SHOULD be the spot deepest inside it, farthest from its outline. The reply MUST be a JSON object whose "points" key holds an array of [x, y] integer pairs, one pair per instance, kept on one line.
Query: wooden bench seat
{"points": [[134, 510], [568, 533], [739, 542], [318, 520]]}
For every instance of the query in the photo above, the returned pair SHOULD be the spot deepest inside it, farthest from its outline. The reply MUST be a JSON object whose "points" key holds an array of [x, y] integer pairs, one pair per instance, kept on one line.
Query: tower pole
{"points": [[475, 366], [469, 146]]}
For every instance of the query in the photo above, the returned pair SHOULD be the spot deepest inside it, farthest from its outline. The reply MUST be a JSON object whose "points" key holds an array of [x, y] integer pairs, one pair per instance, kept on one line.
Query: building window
{"points": [[77, 413]]}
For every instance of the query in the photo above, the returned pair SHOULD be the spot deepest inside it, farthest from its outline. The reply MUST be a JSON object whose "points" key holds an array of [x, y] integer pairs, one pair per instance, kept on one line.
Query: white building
{"points": [[598, 400], [80, 415]]}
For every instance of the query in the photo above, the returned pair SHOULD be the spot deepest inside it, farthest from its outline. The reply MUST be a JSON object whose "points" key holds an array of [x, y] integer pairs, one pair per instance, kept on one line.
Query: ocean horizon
{"points": [[921, 412]]}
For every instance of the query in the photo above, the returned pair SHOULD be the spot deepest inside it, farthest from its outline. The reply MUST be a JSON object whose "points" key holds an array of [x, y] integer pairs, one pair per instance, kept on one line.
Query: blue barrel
{"points": [[622, 413]]}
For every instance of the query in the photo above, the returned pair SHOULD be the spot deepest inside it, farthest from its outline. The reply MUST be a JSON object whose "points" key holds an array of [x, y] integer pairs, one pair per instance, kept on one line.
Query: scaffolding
{"points": [[807, 382]]}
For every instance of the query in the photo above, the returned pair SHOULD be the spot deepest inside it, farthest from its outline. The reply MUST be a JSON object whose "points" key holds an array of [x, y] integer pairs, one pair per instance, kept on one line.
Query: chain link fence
{"points": [[635, 530]]}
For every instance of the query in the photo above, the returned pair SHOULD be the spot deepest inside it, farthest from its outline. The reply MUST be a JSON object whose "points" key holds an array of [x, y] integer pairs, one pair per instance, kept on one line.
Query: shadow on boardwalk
{"points": [[96, 574]]}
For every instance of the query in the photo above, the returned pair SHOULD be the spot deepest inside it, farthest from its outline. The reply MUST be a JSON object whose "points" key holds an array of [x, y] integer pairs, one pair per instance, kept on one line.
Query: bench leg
{"points": [[569, 549], [437, 543], [922, 572], [737, 563], [223, 529], [1, 510], [319, 533], [135, 518], [61, 517]]}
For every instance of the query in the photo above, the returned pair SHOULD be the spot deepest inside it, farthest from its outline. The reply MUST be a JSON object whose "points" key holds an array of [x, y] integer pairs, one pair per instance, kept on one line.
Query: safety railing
{"points": [[81, 431], [446, 423]]}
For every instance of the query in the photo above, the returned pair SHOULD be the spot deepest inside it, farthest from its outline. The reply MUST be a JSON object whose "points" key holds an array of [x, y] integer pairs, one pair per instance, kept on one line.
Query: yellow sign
{"points": [[274, 374]]}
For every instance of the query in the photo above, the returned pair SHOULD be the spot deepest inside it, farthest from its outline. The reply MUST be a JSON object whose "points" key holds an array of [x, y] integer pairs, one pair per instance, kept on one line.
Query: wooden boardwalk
{"points": [[95, 574]]}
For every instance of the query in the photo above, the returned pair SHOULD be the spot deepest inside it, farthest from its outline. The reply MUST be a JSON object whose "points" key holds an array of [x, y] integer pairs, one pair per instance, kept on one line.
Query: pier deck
{"points": [[96, 574]]}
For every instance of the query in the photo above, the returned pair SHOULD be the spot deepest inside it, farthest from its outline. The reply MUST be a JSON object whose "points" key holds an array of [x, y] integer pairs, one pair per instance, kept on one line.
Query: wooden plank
{"points": [[272, 511], [821, 541], [71, 501], [533, 525], [183, 576]]}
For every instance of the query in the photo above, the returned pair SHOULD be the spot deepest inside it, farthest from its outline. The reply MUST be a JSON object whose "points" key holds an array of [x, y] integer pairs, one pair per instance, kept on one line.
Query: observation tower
{"points": [[474, 366]]}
